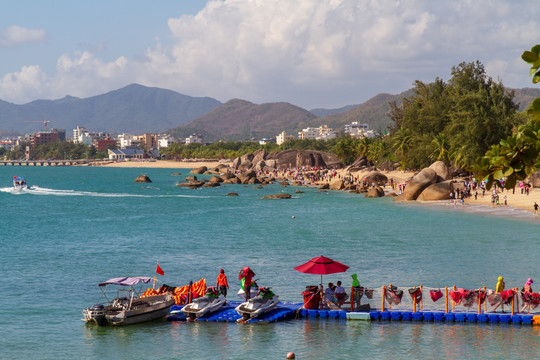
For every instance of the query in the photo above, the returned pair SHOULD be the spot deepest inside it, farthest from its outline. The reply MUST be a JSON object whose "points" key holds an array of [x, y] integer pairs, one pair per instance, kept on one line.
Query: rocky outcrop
{"points": [[337, 185], [534, 179], [277, 196], [261, 160], [374, 191], [375, 177], [417, 184], [232, 194], [199, 170], [442, 171], [437, 191], [143, 179]]}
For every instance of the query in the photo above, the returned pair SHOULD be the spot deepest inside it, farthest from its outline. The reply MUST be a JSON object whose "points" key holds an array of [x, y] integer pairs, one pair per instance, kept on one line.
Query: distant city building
{"points": [[123, 154], [126, 141], [321, 133], [105, 144], [44, 137], [265, 141], [164, 141], [149, 141], [192, 139], [8, 144], [83, 136], [283, 137], [357, 130]]}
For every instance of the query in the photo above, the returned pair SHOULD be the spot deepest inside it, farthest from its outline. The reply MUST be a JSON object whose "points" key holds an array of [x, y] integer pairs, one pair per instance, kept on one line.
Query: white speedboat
{"points": [[211, 301], [19, 183], [264, 302], [128, 307]]}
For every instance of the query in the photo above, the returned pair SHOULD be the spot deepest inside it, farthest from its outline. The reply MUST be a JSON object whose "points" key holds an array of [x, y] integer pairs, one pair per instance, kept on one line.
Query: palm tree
{"points": [[402, 141], [440, 147]]}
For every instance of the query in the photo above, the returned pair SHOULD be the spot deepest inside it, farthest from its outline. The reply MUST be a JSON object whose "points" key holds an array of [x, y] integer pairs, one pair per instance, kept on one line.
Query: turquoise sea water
{"points": [[78, 226]]}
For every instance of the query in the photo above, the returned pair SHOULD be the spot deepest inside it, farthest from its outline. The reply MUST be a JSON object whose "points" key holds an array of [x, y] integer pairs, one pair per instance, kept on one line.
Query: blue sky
{"points": [[311, 53]]}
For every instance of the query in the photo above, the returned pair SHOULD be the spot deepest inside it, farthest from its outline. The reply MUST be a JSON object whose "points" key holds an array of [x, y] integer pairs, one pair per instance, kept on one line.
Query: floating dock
{"points": [[284, 311], [288, 311]]}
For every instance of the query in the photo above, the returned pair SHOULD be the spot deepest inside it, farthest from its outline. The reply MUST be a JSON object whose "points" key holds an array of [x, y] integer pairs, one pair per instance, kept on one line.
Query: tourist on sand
{"points": [[247, 274], [221, 282], [499, 288], [535, 208], [527, 289], [505, 201]]}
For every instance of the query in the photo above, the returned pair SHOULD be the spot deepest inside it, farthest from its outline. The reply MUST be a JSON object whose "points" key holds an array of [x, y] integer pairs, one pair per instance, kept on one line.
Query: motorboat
{"points": [[128, 306], [264, 302], [211, 301], [19, 183]]}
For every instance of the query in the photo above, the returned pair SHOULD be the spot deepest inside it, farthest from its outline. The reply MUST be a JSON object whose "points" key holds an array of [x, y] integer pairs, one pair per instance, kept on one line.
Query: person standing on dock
{"points": [[221, 282], [499, 288], [248, 275]]}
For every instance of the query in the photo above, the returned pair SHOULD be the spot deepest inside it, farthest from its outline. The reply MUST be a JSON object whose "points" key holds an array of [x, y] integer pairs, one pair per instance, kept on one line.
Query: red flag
{"points": [[159, 270]]}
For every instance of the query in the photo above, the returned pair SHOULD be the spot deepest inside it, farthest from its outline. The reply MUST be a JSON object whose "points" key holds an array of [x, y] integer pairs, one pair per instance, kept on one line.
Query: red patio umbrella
{"points": [[322, 266]]}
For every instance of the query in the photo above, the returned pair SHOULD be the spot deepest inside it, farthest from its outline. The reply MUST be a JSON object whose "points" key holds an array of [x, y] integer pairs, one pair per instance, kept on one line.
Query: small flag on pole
{"points": [[159, 270]]}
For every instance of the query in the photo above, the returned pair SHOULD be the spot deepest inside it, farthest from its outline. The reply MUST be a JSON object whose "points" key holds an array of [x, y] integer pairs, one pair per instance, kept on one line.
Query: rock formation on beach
{"points": [[432, 183], [287, 159]]}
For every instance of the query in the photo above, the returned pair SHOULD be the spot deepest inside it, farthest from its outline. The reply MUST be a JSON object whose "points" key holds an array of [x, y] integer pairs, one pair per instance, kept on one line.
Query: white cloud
{"points": [[311, 53], [16, 35]]}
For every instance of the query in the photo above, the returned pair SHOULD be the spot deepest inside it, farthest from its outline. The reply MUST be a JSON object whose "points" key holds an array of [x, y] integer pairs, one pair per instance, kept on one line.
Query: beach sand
{"points": [[517, 200], [166, 164]]}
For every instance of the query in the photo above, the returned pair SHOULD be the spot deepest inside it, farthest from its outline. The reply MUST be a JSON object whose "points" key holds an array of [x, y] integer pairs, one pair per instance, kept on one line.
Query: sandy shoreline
{"points": [[517, 200], [165, 164]]}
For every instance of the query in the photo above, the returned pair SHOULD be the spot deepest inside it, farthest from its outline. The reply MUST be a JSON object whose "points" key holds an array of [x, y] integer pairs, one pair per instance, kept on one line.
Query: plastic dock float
{"points": [[455, 317], [365, 316], [284, 311]]}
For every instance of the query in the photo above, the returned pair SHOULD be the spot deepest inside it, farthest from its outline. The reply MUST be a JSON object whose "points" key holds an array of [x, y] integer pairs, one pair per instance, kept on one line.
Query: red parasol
{"points": [[322, 266]]}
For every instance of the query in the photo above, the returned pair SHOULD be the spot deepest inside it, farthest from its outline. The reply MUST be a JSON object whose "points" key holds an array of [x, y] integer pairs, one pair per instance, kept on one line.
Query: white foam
{"points": [[36, 190]]}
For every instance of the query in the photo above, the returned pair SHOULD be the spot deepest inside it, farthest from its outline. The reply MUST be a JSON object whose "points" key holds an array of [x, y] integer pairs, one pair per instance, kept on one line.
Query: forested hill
{"points": [[134, 108], [239, 120]]}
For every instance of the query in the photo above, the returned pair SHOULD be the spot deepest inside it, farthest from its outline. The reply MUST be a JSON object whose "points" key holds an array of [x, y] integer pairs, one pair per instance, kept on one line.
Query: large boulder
{"points": [[417, 184], [143, 179], [277, 196], [337, 185], [374, 191], [376, 178], [443, 172], [437, 191], [534, 179], [245, 176], [199, 170]]}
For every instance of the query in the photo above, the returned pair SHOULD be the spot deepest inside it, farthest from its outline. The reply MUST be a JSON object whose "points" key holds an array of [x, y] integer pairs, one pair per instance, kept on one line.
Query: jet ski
{"points": [[210, 302], [265, 301]]}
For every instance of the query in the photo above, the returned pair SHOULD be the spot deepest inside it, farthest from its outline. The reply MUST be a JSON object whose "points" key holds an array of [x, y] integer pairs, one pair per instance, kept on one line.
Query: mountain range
{"points": [[138, 109]]}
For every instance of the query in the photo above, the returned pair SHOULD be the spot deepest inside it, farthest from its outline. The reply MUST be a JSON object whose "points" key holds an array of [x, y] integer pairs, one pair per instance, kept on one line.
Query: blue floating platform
{"points": [[287, 311], [284, 311]]}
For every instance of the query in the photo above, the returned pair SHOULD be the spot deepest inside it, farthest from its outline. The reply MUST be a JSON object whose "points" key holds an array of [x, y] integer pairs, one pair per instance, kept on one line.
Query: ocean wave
{"points": [[36, 190]]}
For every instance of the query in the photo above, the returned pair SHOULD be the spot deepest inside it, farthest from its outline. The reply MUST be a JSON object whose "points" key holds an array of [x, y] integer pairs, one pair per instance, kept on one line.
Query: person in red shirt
{"points": [[221, 282], [248, 275]]}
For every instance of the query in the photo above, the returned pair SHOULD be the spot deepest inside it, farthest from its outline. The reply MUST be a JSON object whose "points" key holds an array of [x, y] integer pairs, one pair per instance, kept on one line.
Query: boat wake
{"points": [[36, 190]]}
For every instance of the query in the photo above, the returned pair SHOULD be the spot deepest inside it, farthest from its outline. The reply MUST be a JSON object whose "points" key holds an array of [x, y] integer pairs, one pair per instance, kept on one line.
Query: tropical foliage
{"points": [[454, 121], [518, 155]]}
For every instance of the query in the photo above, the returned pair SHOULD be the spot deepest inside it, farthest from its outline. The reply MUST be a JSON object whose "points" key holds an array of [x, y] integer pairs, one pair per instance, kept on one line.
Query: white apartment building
{"points": [[320, 133], [82, 136], [283, 137], [128, 140], [357, 130], [164, 141], [194, 139]]}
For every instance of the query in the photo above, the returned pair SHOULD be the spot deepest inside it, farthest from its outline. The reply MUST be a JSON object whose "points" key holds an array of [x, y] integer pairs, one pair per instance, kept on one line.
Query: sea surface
{"points": [[77, 226]]}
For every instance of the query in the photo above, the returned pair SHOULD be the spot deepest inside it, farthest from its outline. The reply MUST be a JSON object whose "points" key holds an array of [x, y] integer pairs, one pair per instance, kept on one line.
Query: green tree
{"points": [[518, 155], [440, 148]]}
